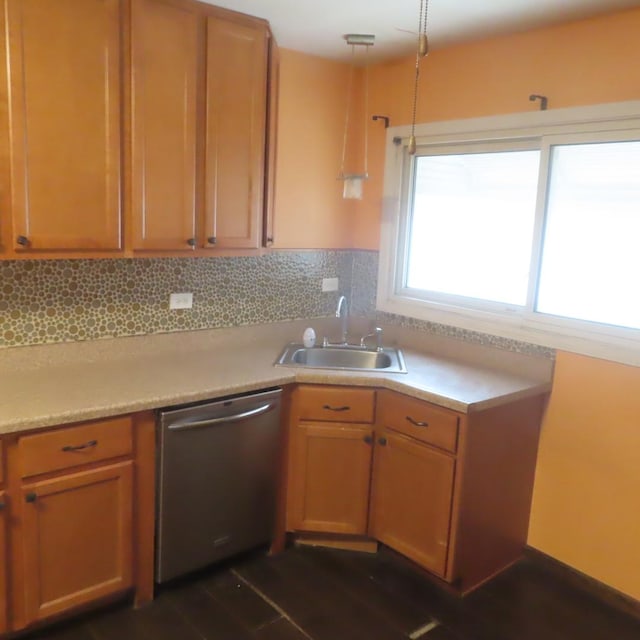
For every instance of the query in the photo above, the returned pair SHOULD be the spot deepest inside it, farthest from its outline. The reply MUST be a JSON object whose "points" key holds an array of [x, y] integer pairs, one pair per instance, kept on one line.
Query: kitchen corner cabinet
{"points": [[450, 491], [199, 103], [64, 116], [74, 536], [331, 440], [3, 546]]}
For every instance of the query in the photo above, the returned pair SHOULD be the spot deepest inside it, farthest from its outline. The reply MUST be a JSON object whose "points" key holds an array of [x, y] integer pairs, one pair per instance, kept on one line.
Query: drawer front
{"points": [[75, 445], [336, 404], [419, 419]]}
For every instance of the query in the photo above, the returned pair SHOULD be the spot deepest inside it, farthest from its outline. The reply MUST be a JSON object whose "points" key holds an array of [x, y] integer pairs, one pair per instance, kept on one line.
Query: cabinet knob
{"points": [[191, 242], [368, 439], [31, 497], [212, 240], [23, 241], [270, 240], [382, 442], [2, 505]]}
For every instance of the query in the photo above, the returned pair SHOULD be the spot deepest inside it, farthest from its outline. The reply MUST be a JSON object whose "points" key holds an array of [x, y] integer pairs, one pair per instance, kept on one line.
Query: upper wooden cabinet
{"points": [[64, 94], [166, 42], [236, 125], [199, 105], [150, 117]]}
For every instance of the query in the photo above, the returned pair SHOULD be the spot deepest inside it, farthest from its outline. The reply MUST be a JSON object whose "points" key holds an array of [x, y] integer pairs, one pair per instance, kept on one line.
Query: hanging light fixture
{"points": [[422, 50], [353, 181]]}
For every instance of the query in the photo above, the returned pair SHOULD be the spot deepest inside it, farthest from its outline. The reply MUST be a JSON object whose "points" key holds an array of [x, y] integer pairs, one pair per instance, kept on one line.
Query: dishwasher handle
{"points": [[196, 424]]}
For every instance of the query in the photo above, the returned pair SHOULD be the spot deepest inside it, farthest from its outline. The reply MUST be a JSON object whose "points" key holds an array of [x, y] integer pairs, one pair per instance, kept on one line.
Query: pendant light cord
{"points": [[346, 117]]}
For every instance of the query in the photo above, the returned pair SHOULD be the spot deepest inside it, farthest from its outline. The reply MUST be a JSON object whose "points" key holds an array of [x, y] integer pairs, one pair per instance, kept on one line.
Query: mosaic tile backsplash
{"points": [[45, 301], [66, 300]]}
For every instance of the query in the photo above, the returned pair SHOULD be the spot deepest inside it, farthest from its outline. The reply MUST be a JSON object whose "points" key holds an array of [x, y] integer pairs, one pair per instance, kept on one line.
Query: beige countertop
{"points": [[47, 385]]}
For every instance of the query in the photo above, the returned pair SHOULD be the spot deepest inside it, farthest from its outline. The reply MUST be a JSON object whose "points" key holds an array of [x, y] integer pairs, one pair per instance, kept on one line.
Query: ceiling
{"points": [[318, 26]]}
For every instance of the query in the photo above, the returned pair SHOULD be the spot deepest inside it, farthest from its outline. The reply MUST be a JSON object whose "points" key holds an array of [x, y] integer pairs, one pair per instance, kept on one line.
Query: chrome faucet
{"points": [[342, 312]]}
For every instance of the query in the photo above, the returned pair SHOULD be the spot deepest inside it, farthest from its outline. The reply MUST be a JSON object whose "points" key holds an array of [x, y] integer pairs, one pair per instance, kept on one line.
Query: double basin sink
{"points": [[343, 357]]}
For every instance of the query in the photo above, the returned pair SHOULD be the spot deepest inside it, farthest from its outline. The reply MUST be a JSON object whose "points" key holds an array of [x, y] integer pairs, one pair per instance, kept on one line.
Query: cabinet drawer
{"points": [[419, 419], [75, 445], [336, 404]]}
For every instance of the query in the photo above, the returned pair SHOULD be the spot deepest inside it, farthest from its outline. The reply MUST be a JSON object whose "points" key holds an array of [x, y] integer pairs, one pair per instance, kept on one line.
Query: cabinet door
{"points": [[77, 537], [329, 478], [268, 233], [236, 122], [411, 500], [165, 76], [64, 86], [3, 562]]}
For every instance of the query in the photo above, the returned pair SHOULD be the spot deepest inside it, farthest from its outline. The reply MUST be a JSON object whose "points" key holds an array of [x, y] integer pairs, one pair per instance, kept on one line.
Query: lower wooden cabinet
{"points": [[451, 491], [3, 561], [79, 522], [331, 465], [77, 538], [411, 499]]}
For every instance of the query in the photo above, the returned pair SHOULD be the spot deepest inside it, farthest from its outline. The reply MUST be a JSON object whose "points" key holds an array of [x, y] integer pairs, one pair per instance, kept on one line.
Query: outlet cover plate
{"points": [[180, 300], [330, 284]]}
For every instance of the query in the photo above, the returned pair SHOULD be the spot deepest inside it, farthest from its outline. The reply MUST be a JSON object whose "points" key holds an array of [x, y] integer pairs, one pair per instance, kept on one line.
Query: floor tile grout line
{"points": [[270, 602], [423, 630]]}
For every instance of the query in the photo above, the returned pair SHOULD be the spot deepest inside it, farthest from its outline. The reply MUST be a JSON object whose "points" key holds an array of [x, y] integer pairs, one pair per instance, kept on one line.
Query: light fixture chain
{"points": [[422, 34]]}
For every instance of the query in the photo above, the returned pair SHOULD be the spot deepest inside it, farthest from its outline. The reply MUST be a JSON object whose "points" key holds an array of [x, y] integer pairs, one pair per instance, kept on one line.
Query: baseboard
{"points": [[348, 543], [616, 599]]}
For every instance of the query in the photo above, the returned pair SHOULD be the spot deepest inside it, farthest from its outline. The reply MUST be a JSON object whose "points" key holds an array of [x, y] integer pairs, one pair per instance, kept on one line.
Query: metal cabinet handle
{"points": [[30, 497], [191, 242], [212, 240], [221, 420], [330, 408], [270, 240], [417, 423], [382, 442], [2, 505], [80, 447], [368, 439], [23, 241]]}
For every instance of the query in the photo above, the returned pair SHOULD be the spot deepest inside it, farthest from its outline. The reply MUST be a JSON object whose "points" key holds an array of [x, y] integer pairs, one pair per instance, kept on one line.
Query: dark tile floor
{"points": [[320, 594]]}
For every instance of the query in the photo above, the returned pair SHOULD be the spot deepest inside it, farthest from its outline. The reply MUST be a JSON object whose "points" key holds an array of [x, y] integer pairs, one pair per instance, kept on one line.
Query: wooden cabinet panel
{"points": [[3, 562], [64, 85], [419, 419], [166, 43], [411, 500], [273, 95], [75, 445], [331, 469], [339, 404], [1, 463], [235, 138], [77, 537]]}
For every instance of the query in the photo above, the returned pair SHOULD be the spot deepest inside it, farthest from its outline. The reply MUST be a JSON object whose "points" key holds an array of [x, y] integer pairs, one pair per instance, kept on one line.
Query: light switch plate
{"points": [[180, 300], [330, 284]]}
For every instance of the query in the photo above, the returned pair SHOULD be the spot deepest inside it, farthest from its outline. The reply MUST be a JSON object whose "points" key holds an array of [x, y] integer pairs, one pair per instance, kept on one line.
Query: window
{"points": [[526, 226]]}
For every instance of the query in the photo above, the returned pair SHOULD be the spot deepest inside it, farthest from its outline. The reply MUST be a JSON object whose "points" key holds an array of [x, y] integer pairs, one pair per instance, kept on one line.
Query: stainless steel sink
{"points": [[349, 358]]}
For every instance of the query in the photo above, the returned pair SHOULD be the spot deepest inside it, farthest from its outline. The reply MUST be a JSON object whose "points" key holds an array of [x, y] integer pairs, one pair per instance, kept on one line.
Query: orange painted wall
{"points": [[310, 210], [586, 62], [586, 501]]}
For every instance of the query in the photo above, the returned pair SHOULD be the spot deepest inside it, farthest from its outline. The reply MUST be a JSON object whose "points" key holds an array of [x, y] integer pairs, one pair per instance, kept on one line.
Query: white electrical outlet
{"points": [[180, 300], [330, 284]]}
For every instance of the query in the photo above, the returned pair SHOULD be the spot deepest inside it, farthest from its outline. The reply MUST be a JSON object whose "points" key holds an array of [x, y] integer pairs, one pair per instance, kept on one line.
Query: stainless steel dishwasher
{"points": [[217, 472]]}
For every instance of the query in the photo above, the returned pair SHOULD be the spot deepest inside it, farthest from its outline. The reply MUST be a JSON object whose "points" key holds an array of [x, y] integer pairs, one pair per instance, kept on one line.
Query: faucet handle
{"points": [[377, 333]]}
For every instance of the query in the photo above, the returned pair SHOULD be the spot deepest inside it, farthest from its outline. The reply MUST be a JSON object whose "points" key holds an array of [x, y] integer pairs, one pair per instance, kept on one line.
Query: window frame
{"points": [[576, 125]]}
